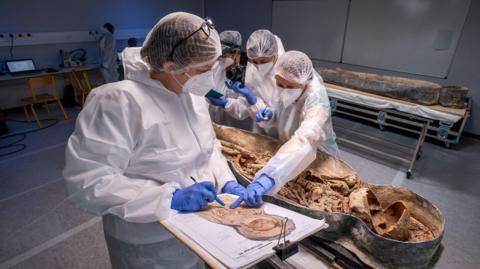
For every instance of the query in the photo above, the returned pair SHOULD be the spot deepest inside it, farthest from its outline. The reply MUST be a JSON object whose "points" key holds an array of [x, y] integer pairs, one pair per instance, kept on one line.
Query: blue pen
{"points": [[216, 197]]}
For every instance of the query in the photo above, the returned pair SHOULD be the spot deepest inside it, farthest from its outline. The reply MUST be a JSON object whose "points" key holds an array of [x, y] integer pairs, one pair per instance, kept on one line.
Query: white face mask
{"points": [[220, 73], [199, 84], [289, 96], [265, 68], [225, 62]]}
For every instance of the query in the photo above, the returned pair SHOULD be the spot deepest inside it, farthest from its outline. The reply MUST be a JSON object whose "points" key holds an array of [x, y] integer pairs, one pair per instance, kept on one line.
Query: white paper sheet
{"points": [[232, 249]]}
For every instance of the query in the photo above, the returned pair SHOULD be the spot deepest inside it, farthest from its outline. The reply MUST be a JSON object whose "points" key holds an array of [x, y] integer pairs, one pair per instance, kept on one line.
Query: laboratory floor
{"points": [[39, 228]]}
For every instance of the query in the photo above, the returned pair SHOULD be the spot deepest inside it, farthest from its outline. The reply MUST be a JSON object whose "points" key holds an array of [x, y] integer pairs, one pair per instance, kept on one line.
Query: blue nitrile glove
{"points": [[264, 114], [255, 191], [221, 102], [235, 86], [194, 197], [233, 187]]}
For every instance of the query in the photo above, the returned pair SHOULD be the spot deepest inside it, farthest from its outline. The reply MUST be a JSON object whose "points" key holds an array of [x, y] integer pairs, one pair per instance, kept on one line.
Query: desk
{"points": [[61, 71], [14, 88]]}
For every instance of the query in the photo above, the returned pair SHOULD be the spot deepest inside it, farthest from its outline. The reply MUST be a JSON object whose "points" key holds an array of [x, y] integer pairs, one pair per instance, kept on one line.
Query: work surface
{"points": [[435, 112], [60, 71], [225, 244]]}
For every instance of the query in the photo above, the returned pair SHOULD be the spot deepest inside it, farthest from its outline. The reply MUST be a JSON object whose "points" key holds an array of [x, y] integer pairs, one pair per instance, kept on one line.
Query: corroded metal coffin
{"points": [[412, 90], [346, 229]]}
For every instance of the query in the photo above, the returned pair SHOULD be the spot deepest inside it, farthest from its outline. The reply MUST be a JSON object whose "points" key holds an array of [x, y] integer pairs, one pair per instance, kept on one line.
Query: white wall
{"points": [[245, 16], [464, 69]]}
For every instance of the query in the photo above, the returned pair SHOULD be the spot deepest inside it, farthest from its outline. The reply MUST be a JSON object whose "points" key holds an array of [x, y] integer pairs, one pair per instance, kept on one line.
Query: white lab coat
{"points": [[304, 126], [108, 57], [263, 87], [134, 143]]}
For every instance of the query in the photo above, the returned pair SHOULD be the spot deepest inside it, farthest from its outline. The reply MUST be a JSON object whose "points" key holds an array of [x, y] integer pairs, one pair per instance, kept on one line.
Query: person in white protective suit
{"points": [[138, 142], [302, 120], [263, 50], [231, 43], [108, 54]]}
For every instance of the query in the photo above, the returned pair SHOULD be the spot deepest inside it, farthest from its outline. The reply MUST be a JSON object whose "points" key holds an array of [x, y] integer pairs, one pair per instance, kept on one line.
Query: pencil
{"points": [[216, 197]]}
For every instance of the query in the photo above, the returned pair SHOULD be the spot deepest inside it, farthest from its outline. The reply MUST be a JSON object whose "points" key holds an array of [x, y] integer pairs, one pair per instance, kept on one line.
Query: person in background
{"points": [[108, 54], [221, 108], [303, 121], [139, 142], [132, 42]]}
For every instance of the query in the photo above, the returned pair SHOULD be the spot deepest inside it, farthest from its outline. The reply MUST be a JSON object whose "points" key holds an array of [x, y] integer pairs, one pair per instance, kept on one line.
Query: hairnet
{"points": [[295, 66], [231, 38], [197, 50], [262, 43]]}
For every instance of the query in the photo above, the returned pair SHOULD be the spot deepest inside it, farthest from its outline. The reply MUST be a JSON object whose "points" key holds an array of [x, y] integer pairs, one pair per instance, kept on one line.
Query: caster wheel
{"points": [[409, 174]]}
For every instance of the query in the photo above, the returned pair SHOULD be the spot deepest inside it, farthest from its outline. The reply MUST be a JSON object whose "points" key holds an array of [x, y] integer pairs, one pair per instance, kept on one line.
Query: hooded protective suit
{"points": [[305, 126], [134, 143], [263, 87]]}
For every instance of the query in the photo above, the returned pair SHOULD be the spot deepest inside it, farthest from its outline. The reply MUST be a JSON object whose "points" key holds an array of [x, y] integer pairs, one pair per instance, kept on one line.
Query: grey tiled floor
{"points": [[40, 229]]}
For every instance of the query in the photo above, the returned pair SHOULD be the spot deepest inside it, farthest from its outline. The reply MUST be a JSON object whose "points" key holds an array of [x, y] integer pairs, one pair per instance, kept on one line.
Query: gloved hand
{"points": [[264, 114], [194, 197], [255, 191], [236, 87], [221, 102], [233, 187]]}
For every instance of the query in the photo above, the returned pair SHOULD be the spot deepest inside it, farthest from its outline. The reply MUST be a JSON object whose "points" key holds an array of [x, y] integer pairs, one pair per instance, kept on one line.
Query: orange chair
{"points": [[81, 77], [41, 83]]}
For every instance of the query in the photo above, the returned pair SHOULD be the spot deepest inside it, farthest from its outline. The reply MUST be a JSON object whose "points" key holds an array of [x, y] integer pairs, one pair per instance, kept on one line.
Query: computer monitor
{"points": [[20, 66]]}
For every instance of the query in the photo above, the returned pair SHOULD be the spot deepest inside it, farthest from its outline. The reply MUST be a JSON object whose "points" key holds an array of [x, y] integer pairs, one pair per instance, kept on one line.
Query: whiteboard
{"points": [[412, 36], [314, 27]]}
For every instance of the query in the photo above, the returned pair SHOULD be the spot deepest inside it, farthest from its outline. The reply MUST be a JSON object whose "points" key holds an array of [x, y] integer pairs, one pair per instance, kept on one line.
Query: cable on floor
{"points": [[16, 146]]}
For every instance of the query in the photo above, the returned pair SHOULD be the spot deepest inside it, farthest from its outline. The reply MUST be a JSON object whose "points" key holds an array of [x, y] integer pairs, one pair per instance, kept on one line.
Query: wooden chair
{"points": [[41, 83], [81, 77]]}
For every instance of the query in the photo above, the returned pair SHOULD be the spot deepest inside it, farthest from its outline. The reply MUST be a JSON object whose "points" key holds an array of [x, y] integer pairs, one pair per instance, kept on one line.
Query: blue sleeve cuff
{"points": [[266, 181], [227, 186]]}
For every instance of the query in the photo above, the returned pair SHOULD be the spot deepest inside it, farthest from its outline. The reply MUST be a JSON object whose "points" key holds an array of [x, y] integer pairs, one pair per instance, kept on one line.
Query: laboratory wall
{"points": [[26, 16], [244, 16], [464, 66]]}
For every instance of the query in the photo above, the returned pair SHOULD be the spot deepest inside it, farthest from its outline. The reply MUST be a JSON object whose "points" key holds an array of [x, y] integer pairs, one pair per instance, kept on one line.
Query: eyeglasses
{"points": [[206, 28]]}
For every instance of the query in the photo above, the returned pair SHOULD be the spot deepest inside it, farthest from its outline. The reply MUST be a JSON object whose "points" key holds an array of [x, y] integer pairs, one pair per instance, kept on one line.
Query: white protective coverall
{"points": [[305, 126], [108, 57], [134, 143], [263, 87]]}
